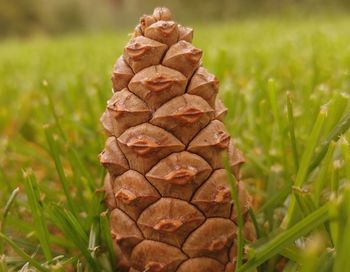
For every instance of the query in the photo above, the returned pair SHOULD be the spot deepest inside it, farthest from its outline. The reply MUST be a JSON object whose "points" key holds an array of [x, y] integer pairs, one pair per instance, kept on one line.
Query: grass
{"points": [[286, 83]]}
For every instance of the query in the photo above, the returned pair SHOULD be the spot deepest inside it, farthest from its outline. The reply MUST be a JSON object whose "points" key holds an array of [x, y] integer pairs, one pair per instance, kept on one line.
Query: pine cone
{"points": [[166, 188]]}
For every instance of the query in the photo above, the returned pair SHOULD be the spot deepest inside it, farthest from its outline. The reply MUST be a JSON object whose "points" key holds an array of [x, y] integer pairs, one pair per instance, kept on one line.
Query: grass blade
{"points": [[59, 168], [292, 253], [314, 247], [3, 264], [281, 240], [345, 150], [45, 85], [7, 208], [325, 261], [259, 232], [107, 238], [272, 94], [304, 164], [334, 135], [342, 259], [72, 229], [322, 178], [292, 131], [277, 199], [36, 206], [75, 155], [310, 147], [93, 239], [234, 195], [22, 254], [291, 267], [336, 109]]}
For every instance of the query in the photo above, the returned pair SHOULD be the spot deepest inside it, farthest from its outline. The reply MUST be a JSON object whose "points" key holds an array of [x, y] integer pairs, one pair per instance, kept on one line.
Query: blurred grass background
{"points": [[55, 63], [35, 17]]}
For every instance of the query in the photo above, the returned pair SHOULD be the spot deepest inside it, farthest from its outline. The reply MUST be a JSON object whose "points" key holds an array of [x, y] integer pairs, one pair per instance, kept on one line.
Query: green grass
{"points": [[286, 83]]}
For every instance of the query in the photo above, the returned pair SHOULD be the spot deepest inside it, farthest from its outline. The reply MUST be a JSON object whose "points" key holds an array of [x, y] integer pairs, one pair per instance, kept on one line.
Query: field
{"points": [[286, 82]]}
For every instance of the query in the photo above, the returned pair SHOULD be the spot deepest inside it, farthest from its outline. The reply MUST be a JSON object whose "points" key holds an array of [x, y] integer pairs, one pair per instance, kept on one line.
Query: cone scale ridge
{"points": [[166, 189]]}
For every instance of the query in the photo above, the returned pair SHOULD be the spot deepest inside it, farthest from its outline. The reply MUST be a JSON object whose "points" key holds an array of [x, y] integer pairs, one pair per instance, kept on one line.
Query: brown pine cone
{"points": [[170, 204]]}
